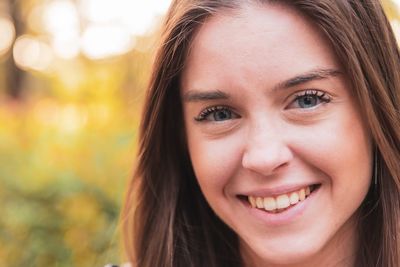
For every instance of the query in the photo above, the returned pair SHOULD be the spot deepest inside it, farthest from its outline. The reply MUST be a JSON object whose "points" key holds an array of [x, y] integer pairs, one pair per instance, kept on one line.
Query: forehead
{"points": [[255, 40]]}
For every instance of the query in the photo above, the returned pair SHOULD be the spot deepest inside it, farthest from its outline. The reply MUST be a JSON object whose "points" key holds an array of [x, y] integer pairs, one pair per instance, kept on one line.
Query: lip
{"points": [[276, 191], [285, 217]]}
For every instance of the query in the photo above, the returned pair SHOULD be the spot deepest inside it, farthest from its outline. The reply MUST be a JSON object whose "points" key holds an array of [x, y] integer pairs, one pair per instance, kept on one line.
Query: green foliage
{"points": [[65, 157]]}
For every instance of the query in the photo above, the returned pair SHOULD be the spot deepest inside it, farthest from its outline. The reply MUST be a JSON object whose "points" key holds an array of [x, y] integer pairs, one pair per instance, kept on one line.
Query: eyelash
{"points": [[206, 112], [322, 96]]}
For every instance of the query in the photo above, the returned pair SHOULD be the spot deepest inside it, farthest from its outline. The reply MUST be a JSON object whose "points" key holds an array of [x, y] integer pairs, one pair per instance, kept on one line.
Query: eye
{"points": [[217, 113], [309, 99]]}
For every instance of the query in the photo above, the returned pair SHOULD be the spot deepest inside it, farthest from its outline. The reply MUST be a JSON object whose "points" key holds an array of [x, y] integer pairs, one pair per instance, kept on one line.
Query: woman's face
{"points": [[275, 137]]}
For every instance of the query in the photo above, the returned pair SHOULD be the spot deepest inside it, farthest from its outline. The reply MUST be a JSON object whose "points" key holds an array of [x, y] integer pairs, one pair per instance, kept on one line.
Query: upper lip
{"points": [[276, 191]]}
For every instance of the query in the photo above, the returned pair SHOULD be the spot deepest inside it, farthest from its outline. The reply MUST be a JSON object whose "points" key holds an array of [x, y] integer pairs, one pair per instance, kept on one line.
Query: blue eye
{"points": [[222, 115], [309, 99], [217, 113]]}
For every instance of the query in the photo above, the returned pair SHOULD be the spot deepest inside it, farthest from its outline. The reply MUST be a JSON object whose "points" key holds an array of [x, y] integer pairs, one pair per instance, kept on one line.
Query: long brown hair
{"points": [[167, 221]]}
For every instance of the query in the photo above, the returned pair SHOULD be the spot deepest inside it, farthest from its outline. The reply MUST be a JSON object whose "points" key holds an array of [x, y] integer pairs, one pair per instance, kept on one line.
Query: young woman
{"points": [[270, 137]]}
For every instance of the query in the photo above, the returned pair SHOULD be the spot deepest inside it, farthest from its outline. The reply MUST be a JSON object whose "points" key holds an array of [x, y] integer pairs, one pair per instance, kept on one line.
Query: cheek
{"points": [[214, 161], [341, 148], [354, 160]]}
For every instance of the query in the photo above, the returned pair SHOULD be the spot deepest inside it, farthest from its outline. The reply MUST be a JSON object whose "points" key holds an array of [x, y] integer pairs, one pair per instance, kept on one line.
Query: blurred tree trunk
{"points": [[14, 77]]}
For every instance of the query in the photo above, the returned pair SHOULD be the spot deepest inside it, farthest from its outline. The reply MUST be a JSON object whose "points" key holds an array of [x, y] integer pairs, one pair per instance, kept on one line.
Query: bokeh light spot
{"points": [[100, 41], [61, 17], [32, 53], [7, 34]]}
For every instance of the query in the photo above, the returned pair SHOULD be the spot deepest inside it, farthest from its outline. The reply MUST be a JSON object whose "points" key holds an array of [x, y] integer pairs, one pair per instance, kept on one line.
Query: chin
{"points": [[290, 253]]}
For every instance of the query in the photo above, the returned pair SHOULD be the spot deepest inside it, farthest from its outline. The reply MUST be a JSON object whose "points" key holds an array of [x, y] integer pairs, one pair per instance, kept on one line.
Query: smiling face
{"points": [[275, 137]]}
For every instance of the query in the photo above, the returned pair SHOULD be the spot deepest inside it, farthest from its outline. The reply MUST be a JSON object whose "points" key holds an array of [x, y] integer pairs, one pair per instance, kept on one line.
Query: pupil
{"points": [[308, 101], [221, 115]]}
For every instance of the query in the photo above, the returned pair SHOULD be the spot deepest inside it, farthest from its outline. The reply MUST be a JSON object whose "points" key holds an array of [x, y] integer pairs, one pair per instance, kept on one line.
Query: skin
{"points": [[269, 136]]}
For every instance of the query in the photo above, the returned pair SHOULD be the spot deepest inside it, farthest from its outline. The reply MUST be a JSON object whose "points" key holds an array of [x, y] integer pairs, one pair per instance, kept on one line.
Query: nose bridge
{"points": [[266, 149]]}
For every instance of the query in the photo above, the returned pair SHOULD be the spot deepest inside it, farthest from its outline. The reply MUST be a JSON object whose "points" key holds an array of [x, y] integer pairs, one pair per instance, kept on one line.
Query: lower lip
{"points": [[285, 217]]}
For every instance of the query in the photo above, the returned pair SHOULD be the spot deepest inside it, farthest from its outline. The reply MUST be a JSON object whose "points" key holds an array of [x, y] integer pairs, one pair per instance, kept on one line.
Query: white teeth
{"points": [[294, 198], [308, 190], [279, 202], [269, 203], [252, 201], [260, 202], [282, 201], [302, 194]]}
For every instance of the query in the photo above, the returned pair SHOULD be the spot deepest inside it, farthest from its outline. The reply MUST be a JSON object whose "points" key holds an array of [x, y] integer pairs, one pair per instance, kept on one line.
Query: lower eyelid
{"points": [[216, 129], [200, 120]]}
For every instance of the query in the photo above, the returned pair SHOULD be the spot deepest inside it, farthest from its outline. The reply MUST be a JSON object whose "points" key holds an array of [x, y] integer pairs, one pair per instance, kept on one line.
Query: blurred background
{"points": [[72, 81]]}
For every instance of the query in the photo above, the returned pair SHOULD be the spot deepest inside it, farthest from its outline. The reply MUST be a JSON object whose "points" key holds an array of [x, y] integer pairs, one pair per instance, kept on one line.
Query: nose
{"points": [[266, 150]]}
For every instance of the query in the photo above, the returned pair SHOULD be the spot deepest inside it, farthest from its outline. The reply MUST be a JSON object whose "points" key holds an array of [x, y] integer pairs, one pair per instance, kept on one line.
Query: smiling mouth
{"points": [[280, 203]]}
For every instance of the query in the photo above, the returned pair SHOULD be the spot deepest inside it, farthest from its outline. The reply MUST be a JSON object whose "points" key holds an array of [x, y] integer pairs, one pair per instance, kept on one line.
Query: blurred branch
{"points": [[15, 76]]}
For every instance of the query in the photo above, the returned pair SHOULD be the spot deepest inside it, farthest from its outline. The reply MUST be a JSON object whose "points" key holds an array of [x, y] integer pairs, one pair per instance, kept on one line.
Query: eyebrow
{"points": [[318, 74], [194, 96], [312, 75]]}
